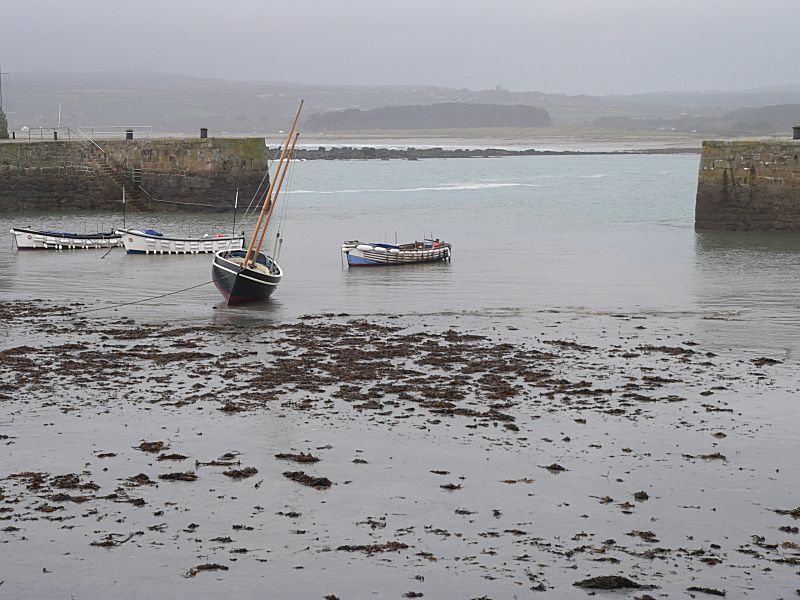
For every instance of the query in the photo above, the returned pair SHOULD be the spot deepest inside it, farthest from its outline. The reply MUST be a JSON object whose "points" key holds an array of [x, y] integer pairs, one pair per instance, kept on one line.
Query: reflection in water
{"points": [[8, 271], [248, 314], [398, 276], [748, 285]]}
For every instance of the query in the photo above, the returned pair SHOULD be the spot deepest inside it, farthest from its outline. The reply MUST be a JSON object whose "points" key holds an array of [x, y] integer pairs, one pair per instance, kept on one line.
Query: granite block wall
{"points": [[749, 185], [184, 173]]}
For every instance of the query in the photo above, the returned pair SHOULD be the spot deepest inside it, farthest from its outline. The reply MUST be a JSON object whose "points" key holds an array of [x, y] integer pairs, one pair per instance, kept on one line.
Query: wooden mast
{"points": [[268, 198], [277, 191]]}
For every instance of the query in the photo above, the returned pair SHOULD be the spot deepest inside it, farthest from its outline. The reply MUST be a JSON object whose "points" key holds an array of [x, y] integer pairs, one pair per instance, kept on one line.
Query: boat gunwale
{"points": [[138, 233], [409, 247], [68, 235], [245, 270]]}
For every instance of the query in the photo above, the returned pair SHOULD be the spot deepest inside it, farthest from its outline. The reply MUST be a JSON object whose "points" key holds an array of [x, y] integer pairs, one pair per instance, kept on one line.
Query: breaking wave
{"points": [[440, 188]]}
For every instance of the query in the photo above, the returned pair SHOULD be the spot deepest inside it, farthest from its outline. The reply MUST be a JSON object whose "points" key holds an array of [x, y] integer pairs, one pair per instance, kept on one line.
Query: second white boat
{"points": [[150, 241]]}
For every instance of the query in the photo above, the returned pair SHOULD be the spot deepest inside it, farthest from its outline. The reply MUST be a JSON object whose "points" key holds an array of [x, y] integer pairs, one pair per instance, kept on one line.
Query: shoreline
{"points": [[555, 139], [326, 149], [417, 153], [545, 140]]}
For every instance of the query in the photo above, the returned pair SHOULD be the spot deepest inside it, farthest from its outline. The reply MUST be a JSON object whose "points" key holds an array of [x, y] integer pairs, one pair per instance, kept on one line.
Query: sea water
{"points": [[576, 234]]}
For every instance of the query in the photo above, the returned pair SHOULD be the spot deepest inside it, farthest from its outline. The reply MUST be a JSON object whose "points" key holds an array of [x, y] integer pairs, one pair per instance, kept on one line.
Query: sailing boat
{"points": [[248, 276]]}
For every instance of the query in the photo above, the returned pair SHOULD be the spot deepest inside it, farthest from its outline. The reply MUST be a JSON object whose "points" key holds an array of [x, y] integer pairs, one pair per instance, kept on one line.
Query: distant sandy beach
{"points": [[558, 139]]}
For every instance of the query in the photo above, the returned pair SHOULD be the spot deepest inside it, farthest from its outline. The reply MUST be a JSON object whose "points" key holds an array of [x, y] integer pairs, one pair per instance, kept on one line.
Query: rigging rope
{"points": [[280, 234], [258, 190]]}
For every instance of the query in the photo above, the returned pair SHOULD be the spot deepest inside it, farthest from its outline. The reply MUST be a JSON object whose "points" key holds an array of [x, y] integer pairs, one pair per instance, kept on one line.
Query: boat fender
{"points": [[364, 248], [380, 249], [394, 251]]}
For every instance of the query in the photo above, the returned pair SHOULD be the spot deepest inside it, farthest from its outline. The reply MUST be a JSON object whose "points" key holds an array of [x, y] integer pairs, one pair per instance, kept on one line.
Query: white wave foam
{"points": [[442, 188]]}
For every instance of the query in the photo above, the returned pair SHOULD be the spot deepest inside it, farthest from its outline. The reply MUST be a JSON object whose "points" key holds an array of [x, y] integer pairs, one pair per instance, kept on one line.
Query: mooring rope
{"points": [[88, 310], [154, 199]]}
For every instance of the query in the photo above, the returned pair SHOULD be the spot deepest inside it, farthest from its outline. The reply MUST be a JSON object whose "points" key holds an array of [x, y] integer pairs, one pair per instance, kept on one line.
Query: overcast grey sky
{"points": [[571, 46]]}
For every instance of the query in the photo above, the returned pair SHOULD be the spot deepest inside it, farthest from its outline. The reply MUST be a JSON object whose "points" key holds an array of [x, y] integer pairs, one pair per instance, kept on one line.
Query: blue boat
{"points": [[361, 254]]}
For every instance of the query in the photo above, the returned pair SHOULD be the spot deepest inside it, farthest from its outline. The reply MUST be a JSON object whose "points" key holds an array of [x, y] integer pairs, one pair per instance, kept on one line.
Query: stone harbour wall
{"points": [[46, 175], [182, 172], [749, 185]]}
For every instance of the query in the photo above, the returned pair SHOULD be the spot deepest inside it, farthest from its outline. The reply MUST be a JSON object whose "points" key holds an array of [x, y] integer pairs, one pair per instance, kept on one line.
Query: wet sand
{"points": [[458, 457]]}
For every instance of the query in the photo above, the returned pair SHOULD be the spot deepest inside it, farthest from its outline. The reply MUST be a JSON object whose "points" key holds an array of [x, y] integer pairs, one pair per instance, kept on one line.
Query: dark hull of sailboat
{"points": [[241, 285]]}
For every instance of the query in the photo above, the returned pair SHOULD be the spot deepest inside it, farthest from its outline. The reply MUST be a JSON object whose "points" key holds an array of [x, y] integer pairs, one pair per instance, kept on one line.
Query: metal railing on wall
{"points": [[107, 132], [118, 131]]}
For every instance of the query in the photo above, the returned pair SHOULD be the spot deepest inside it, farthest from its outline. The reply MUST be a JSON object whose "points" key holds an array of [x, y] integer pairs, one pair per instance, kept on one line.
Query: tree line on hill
{"points": [[444, 115], [761, 120], [181, 105]]}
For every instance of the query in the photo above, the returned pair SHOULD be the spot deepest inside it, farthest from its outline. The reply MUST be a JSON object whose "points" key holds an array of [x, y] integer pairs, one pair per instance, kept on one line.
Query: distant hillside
{"points": [[175, 104], [759, 120], [764, 118], [444, 115]]}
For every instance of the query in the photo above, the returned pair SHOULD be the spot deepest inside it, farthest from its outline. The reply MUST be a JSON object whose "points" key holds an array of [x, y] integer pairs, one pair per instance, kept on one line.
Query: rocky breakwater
{"points": [[410, 153], [749, 185], [413, 153], [158, 174]]}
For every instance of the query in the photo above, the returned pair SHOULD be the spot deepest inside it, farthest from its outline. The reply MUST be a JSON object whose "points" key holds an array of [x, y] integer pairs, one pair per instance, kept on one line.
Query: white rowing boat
{"points": [[150, 241], [33, 239], [379, 255]]}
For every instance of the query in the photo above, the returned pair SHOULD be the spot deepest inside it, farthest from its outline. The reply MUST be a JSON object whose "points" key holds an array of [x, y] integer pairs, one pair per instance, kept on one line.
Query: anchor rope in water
{"points": [[141, 301]]}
